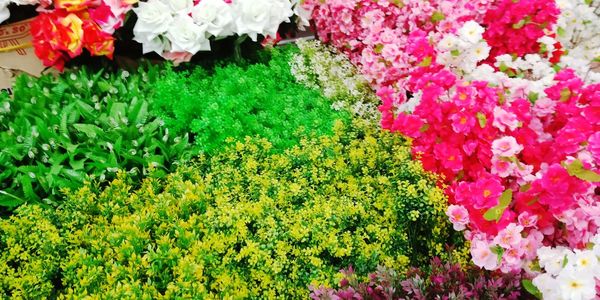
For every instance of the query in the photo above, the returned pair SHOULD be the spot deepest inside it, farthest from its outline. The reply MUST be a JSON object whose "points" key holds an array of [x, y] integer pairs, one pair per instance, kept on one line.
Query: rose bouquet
{"points": [[179, 29], [500, 98], [175, 29], [64, 28]]}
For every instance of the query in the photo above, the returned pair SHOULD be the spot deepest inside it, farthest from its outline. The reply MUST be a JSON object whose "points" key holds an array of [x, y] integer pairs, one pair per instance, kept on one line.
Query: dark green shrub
{"points": [[58, 132], [236, 101], [245, 223]]}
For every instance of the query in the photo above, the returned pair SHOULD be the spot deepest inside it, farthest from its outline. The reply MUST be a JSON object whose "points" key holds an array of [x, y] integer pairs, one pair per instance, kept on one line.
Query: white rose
{"points": [[216, 15], [186, 36], [303, 14], [26, 2], [179, 6], [4, 12], [153, 19], [261, 16], [157, 44]]}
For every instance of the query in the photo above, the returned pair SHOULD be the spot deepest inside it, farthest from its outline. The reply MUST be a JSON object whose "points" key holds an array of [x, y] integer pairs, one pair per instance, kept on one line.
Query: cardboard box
{"points": [[16, 54]]}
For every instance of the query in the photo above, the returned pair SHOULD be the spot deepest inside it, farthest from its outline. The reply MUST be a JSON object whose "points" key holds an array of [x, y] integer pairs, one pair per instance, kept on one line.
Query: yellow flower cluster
{"points": [[246, 223]]}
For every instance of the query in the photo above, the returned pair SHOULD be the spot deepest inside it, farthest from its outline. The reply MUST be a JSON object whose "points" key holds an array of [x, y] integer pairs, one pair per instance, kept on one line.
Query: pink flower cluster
{"points": [[513, 27], [521, 168]]}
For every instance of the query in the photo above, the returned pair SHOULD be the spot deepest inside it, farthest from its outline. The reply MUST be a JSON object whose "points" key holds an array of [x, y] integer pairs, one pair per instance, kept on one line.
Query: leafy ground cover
{"points": [[245, 222], [58, 132], [237, 101]]}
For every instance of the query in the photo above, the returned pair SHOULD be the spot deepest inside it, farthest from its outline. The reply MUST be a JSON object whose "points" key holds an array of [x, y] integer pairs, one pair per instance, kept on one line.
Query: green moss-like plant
{"points": [[244, 223], [57, 132], [235, 101]]}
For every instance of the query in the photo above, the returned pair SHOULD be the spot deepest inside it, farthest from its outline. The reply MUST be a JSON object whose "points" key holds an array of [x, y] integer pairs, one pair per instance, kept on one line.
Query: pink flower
{"points": [[513, 258], [594, 146], [527, 219], [510, 236], [483, 256], [177, 57], [459, 216], [504, 119], [531, 243], [544, 106], [506, 147], [502, 168]]}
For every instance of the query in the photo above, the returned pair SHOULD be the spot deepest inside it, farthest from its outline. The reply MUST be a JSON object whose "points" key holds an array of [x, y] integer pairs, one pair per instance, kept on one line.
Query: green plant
{"points": [[235, 101], [244, 223], [58, 132]]}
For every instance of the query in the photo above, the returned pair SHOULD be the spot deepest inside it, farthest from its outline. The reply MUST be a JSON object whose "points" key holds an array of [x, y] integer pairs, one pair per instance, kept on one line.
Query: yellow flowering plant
{"points": [[244, 223]]}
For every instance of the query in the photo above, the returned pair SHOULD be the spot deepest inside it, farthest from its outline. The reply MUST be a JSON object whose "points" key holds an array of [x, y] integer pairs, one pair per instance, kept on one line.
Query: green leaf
{"points": [[495, 213], [577, 169], [482, 119], [531, 288], [565, 94], [140, 114], [27, 187], [10, 200], [103, 86], [499, 251], [426, 62], [88, 129], [519, 24], [437, 16], [378, 48], [77, 165], [533, 96]]}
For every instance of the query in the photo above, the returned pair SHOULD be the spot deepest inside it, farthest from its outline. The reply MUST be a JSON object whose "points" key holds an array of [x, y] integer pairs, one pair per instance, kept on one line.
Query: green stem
{"points": [[237, 48]]}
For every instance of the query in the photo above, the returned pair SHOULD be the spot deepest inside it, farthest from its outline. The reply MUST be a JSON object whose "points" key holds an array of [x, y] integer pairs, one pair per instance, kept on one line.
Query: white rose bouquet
{"points": [[178, 29]]}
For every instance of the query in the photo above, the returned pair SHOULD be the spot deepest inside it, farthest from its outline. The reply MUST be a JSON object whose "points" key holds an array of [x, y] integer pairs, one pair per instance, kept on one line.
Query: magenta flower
{"points": [[486, 192]]}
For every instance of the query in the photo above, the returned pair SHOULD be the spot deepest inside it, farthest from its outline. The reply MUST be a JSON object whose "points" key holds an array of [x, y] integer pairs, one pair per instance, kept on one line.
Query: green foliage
{"points": [[234, 101], [245, 223], [58, 132]]}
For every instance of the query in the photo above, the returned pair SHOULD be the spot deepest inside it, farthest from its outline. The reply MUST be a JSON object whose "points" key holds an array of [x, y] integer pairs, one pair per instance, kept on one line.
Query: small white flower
{"points": [[471, 32], [449, 42], [552, 259], [480, 51], [584, 262], [576, 286]]}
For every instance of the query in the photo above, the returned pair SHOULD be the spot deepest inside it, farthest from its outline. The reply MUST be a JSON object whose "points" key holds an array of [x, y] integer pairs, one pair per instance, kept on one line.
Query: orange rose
{"points": [[72, 5], [72, 27]]}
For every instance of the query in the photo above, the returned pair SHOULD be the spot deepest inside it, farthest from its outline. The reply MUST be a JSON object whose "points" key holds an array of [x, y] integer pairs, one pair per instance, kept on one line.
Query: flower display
{"points": [[569, 274], [500, 106], [64, 28], [176, 28]]}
